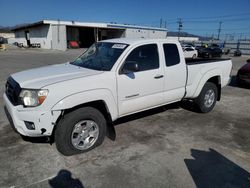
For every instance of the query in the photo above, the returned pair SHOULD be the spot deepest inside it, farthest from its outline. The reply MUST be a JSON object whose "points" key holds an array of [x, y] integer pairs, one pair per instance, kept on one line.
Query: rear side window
{"points": [[172, 56], [189, 49], [146, 56]]}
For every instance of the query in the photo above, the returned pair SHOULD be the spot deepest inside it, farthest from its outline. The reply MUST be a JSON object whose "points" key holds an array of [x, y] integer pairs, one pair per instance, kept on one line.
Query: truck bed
{"points": [[198, 69], [202, 60]]}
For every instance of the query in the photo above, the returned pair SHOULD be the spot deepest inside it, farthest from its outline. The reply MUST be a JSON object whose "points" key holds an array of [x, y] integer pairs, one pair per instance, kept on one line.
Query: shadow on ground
{"points": [[211, 169], [111, 134], [64, 180]]}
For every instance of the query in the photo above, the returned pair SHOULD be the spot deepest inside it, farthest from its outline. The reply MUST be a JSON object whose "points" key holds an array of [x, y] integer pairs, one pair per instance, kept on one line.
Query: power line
{"points": [[214, 21], [223, 16], [224, 29]]}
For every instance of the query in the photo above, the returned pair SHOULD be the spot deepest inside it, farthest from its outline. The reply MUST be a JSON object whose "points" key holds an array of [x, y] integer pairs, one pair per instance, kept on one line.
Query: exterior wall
{"points": [[187, 39], [40, 34], [19, 37], [59, 37], [144, 33], [7, 35]]}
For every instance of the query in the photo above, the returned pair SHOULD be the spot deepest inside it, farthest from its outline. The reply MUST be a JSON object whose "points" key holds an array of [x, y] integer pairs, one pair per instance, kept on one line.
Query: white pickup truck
{"points": [[75, 102]]}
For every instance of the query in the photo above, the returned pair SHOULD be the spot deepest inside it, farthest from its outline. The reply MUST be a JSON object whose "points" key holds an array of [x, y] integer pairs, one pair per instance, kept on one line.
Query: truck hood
{"points": [[41, 77]]}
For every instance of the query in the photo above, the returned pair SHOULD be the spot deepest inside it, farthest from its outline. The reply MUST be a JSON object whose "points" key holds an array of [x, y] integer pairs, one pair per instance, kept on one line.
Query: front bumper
{"points": [[44, 121]]}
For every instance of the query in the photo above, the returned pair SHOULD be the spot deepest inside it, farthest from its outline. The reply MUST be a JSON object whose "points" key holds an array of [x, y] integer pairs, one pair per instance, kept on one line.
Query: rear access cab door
{"points": [[144, 88], [175, 71]]}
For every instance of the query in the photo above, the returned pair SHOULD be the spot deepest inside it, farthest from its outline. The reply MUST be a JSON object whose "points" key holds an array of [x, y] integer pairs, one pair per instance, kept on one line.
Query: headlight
{"points": [[32, 98]]}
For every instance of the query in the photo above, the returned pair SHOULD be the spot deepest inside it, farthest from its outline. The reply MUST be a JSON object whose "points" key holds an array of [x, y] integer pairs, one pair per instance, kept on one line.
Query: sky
{"points": [[200, 17]]}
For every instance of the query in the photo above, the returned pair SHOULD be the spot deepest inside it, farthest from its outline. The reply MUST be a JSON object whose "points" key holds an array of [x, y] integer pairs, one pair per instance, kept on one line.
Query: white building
{"points": [[184, 39], [51, 34], [6, 34]]}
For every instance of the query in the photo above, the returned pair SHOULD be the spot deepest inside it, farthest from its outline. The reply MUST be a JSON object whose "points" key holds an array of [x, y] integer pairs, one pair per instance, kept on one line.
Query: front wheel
{"points": [[80, 131], [207, 98]]}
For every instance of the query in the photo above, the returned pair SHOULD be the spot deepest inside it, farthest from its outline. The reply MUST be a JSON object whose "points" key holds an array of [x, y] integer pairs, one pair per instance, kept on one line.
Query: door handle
{"points": [[158, 76]]}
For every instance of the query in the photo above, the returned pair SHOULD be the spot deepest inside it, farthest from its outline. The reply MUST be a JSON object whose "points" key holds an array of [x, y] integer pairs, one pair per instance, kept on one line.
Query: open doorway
{"points": [[86, 36], [27, 37]]}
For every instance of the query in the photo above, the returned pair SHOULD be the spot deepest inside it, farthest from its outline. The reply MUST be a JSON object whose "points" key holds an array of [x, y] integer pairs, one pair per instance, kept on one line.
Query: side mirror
{"points": [[130, 66], [248, 61]]}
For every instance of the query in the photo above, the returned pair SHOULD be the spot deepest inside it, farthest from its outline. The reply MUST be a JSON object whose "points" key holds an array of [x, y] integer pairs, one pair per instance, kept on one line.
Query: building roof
{"points": [[136, 40], [87, 24]]}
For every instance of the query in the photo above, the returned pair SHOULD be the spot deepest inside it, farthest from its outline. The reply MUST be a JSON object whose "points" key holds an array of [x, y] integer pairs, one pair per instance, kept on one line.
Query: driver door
{"points": [[142, 89]]}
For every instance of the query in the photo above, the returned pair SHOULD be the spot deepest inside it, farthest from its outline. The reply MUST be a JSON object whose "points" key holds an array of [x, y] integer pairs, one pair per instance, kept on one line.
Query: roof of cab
{"points": [[136, 40]]}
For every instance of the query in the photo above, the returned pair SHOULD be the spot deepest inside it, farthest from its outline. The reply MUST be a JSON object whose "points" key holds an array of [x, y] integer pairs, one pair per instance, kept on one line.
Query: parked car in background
{"points": [[188, 46], [237, 53], [209, 52], [190, 52], [243, 75]]}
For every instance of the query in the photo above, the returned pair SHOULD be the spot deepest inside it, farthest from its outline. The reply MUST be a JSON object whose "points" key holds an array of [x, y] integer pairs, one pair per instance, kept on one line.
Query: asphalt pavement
{"points": [[170, 146]]}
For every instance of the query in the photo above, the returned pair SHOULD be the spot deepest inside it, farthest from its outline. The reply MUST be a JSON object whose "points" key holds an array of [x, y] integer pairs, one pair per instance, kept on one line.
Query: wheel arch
{"points": [[98, 104], [217, 81], [213, 76]]}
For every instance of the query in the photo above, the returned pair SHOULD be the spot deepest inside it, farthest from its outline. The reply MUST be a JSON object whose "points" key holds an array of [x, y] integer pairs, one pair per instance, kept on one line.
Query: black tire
{"points": [[202, 105], [65, 127]]}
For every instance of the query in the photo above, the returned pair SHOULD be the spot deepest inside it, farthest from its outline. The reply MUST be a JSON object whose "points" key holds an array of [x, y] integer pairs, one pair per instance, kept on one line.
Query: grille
{"points": [[12, 90]]}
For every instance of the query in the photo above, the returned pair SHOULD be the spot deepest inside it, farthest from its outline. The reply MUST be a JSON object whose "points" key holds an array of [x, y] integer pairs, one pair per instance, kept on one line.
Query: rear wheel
{"points": [[207, 99], [80, 131]]}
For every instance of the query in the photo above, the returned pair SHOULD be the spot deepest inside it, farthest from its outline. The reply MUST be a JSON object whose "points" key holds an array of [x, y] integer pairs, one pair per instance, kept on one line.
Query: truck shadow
{"points": [[38, 140], [111, 133], [211, 169]]}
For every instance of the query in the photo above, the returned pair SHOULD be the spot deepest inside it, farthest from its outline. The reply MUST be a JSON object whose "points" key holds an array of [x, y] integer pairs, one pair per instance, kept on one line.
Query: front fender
{"points": [[89, 96]]}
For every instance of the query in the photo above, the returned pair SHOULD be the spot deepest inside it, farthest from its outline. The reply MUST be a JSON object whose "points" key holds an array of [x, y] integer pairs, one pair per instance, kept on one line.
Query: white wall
{"points": [[19, 37], [191, 39], [144, 33], [7, 35], [40, 34], [59, 37]]}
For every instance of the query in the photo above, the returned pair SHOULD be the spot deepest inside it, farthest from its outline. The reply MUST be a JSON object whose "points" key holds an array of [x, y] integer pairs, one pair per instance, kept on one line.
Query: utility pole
{"points": [[179, 28], [219, 30], [161, 23]]}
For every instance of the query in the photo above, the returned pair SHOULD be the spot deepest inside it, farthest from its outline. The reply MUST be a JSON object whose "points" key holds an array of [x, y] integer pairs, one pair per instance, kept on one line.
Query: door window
{"points": [[172, 56], [146, 56]]}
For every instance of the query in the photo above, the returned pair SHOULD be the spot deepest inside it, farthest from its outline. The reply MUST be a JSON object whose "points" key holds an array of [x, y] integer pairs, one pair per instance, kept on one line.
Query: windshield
{"points": [[100, 56]]}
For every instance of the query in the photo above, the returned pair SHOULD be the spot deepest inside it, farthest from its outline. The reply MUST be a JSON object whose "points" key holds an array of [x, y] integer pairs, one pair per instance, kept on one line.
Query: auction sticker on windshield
{"points": [[119, 46]]}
